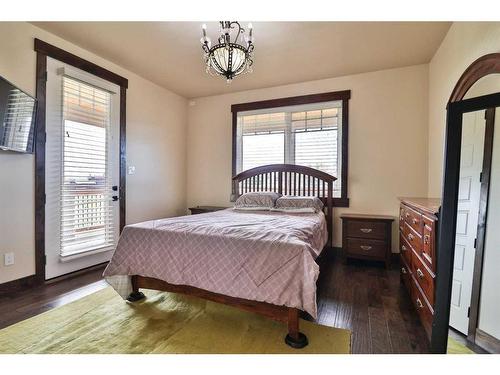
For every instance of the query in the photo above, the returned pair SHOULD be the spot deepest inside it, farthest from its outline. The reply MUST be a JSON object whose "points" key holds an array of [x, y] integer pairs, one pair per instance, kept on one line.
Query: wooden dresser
{"points": [[418, 224], [367, 237]]}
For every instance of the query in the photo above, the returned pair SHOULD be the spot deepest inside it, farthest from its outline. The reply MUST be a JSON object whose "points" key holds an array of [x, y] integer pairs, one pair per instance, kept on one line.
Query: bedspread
{"points": [[262, 256]]}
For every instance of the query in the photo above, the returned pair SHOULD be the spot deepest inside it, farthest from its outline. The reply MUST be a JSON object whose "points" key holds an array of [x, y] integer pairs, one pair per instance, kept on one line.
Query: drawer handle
{"points": [[366, 248], [419, 303], [407, 214], [403, 270], [410, 236], [414, 221], [420, 273], [403, 247], [426, 239], [365, 230]]}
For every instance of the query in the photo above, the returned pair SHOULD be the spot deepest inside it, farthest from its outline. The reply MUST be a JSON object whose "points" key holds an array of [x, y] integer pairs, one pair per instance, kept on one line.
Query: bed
{"points": [[259, 261]]}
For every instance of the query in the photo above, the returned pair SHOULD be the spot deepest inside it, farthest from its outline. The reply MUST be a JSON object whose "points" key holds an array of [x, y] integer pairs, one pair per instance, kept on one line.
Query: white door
{"points": [[471, 165], [82, 169]]}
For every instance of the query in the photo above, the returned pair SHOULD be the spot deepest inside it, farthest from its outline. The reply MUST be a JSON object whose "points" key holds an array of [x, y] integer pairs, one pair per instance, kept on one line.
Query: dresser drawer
{"points": [[429, 241], [405, 272], [413, 219], [423, 309], [401, 218], [366, 229], [369, 248], [423, 277], [404, 249], [413, 238]]}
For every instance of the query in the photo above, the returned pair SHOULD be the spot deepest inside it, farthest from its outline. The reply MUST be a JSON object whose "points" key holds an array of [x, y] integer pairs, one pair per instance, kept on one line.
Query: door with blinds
{"points": [[82, 169]]}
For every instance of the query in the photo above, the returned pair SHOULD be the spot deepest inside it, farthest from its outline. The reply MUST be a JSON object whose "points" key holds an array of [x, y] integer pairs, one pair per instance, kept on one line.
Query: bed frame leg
{"points": [[295, 338], [135, 295]]}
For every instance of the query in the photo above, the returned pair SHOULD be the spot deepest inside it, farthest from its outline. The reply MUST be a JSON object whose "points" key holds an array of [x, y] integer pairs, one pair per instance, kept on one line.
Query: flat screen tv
{"points": [[17, 118]]}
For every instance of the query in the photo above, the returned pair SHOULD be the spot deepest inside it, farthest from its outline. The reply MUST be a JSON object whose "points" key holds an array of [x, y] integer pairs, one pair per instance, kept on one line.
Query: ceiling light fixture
{"points": [[233, 53]]}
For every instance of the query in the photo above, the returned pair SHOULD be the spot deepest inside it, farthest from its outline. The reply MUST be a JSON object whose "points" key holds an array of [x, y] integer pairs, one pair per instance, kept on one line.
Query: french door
{"points": [[82, 169]]}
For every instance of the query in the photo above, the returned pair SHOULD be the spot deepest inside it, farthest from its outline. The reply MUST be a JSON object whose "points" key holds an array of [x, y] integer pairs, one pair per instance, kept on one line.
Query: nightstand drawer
{"points": [[204, 209], [366, 229], [367, 248], [367, 237]]}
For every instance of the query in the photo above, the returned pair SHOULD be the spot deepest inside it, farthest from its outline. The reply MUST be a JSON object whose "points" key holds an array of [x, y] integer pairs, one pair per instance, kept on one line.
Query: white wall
{"points": [[156, 123], [464, 43], [387, 139]]}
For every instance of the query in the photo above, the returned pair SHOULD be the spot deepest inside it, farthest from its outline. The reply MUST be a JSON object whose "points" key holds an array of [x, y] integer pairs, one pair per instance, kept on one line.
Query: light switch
{"points": [[131, 169], [8, 259]]}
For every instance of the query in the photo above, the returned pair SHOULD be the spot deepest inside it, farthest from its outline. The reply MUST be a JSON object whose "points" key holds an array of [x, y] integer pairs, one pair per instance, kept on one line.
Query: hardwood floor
{"points": [[370, 301], [360, 296]]}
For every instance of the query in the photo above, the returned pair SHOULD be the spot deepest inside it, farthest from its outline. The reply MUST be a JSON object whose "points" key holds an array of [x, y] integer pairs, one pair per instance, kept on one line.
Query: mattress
{"points": [[262, 256]]}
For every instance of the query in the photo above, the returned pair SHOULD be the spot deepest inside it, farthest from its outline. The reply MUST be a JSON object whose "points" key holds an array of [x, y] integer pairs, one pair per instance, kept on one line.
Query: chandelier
{"points": [[233, 53]]}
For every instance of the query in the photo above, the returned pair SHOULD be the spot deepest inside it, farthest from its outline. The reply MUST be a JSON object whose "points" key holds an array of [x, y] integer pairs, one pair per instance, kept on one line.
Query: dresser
{"points": [[418, 226], [367, 237]]}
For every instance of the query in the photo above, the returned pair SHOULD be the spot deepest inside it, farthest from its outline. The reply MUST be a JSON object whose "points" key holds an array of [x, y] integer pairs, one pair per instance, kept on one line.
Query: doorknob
{"points": [[115, 188]]}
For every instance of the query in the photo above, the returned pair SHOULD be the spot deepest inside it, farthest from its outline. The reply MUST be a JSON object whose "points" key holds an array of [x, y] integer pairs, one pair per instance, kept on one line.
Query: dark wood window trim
{"points": [[44, 50], [343, 200]]}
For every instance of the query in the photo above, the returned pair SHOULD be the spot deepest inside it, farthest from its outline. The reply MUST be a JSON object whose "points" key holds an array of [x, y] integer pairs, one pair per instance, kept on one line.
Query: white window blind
{"points": [[86, 208], [17, 120], [306, 135]]}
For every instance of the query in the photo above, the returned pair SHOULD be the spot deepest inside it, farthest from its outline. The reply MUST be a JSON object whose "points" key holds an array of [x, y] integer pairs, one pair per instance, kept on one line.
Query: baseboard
{"points": [[18, 285], [76, 273], [31, 281], [487, 342]]}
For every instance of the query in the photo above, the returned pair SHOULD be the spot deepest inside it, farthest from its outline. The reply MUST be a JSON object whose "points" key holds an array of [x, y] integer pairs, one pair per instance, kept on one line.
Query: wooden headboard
{"points": [[289, 179]]}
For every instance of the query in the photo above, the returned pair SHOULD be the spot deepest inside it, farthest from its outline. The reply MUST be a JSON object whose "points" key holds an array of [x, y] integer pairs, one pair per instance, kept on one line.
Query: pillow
{"points": [[256, 201], [299, 204]]}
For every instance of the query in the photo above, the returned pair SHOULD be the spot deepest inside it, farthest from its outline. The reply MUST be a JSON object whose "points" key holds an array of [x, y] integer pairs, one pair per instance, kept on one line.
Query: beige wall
{"points": [[387, 139], [464, 43], [156, 120]]}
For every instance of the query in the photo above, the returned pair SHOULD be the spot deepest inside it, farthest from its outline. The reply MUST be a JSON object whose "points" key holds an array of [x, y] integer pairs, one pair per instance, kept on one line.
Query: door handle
{"points": [[114, 188], [115, 198]]}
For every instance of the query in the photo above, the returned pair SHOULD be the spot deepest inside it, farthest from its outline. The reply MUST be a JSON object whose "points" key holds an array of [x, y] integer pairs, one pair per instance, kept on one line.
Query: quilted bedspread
{"points": [[260, 255]]}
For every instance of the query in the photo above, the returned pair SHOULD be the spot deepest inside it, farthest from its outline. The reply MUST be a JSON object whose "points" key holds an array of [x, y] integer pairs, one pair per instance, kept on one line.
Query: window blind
{"points": [[306, 135], [17, 120], [86, 209]]}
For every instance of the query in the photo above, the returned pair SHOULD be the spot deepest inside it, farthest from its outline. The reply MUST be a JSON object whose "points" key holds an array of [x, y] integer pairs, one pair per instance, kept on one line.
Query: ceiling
{"points": [[169, 53]]}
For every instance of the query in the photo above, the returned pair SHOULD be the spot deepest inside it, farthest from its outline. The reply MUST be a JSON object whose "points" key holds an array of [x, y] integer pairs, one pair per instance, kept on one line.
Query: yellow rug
{"points": [[162, 323], [454, 347]]}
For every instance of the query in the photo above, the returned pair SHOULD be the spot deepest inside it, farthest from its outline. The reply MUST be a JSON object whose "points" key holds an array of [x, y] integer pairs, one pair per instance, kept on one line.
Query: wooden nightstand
{"points": [[367, 237], [205, 209]]}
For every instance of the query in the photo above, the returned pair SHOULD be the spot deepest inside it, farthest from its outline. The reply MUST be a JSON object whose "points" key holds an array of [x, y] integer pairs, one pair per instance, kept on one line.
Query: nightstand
{"points": [[205, 209], [367, 237]]}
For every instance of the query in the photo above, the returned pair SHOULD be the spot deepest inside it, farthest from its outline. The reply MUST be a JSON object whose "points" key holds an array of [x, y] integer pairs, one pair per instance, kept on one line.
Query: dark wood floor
{"points": [[363, 297], [370, 301]]}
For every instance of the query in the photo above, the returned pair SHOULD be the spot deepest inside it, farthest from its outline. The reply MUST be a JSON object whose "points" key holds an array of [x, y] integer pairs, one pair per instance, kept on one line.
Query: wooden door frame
{"points": [[44, 50], [448, 215]]}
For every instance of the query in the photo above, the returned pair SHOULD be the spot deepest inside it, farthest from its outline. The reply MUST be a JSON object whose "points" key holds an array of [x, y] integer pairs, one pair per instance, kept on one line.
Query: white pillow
{"points": [[299, 204], [256, 201]]}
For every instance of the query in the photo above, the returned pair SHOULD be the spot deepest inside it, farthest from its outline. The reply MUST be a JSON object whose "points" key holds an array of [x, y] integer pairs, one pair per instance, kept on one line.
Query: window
{"points": [[308, 130], [87, 221]]}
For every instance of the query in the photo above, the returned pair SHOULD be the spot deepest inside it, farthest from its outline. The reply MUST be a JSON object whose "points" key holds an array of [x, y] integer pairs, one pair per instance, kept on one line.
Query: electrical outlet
{"points": [[8, 259], [131, 169]]}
